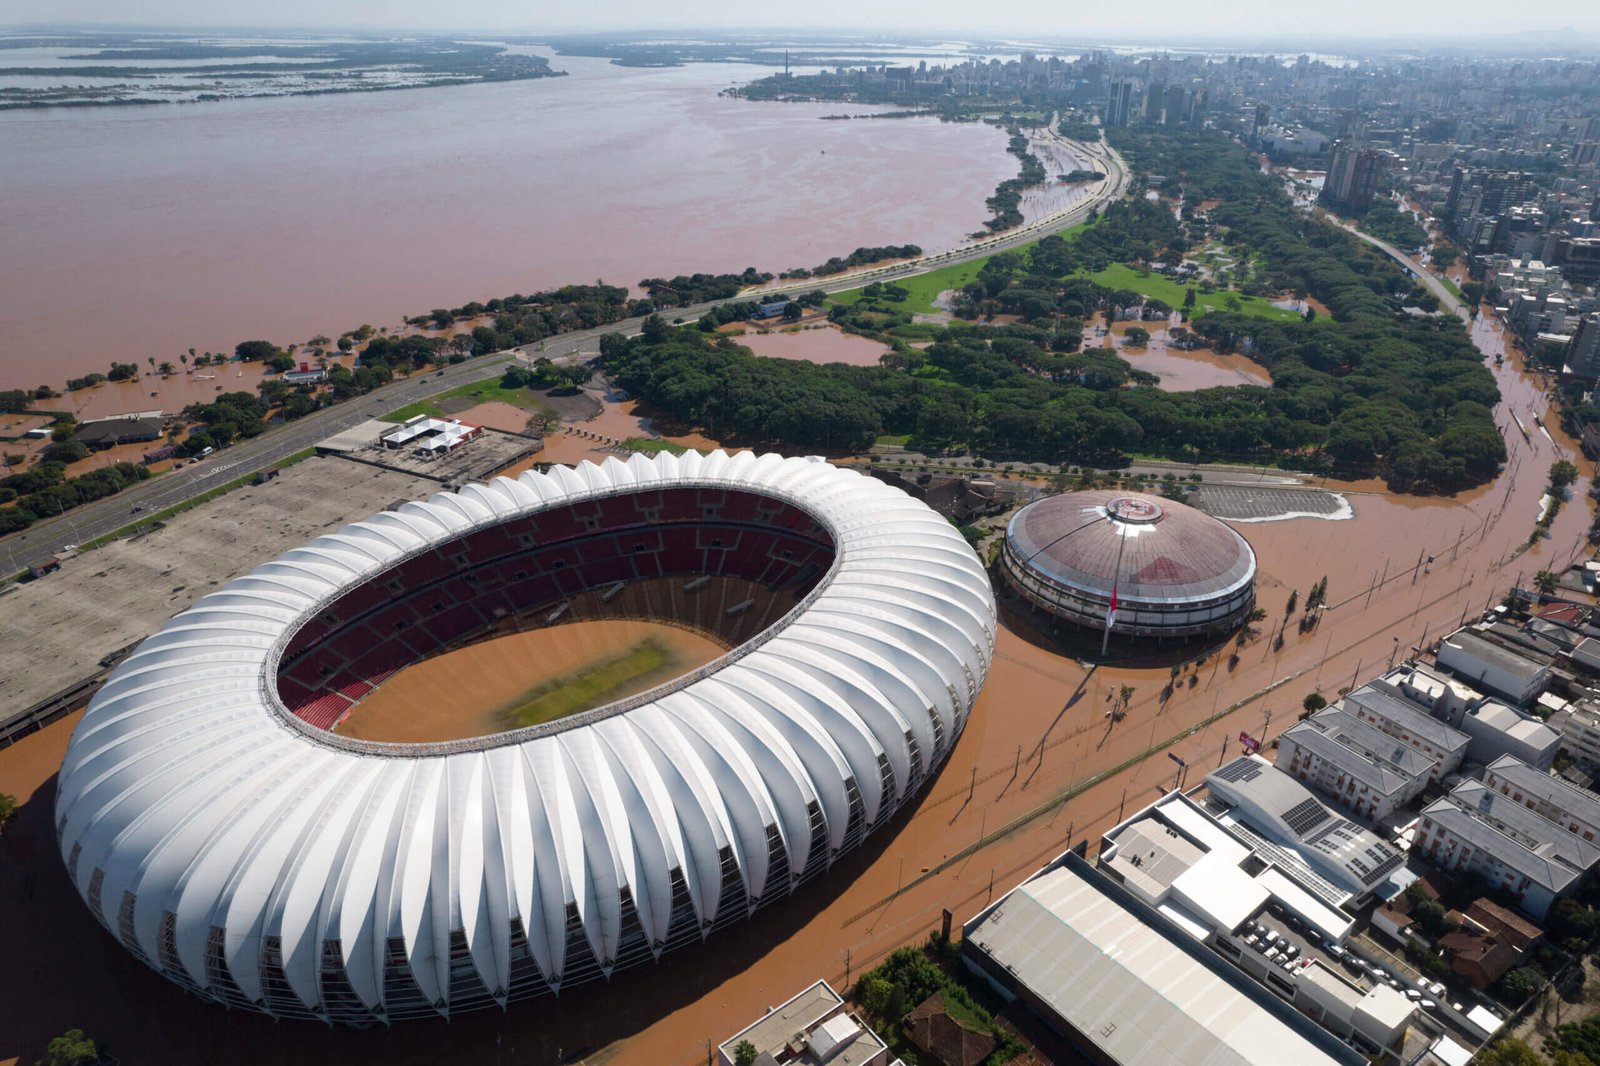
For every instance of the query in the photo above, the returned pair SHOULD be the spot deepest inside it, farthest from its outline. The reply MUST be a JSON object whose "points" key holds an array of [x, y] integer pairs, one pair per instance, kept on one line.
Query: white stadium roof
{"points": [[265, 863]]}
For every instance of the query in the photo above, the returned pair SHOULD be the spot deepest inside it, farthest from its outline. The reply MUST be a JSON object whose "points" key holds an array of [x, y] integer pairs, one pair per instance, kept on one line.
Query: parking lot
{"points": [[1264, 504], [55, 631], [476, 460]]}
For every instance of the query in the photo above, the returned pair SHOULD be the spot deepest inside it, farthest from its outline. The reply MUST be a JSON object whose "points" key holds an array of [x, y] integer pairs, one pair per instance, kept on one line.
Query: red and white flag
{"points": [[1111, 612]]}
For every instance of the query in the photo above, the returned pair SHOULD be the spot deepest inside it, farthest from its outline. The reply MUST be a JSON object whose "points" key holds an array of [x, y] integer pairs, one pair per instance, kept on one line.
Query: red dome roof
{"points": [[1169, 552]]}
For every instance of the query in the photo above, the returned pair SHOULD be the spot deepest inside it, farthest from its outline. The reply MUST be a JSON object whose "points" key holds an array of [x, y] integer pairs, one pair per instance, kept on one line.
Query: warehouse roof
{"points": [[1132, 986]]}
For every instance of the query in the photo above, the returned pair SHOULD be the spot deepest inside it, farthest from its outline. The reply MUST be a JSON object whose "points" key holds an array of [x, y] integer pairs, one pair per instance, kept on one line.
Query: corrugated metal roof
{"points": [[1143, 998]]}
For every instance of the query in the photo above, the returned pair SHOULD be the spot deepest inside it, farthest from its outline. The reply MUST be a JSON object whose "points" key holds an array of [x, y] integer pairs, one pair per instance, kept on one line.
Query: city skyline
{"points": [[1240, 23]]}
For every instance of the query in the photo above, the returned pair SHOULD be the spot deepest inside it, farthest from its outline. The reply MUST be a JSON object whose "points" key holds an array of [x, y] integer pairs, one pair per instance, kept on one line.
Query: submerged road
{"points": [[48, 537]]}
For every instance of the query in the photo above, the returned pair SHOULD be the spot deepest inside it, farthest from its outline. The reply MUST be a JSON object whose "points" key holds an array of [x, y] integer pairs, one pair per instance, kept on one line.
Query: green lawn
{"points": [[1455, 289], [580, 692], [925, 288], [482, 391], [651, 445], [1121, 276]]}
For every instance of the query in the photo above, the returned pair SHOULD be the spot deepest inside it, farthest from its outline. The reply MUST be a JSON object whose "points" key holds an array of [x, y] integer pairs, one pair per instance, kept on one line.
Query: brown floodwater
{"points": [[467, 692], [1038, 733], [152, 391], [823, 345], [1180, 370], [137, 232]]}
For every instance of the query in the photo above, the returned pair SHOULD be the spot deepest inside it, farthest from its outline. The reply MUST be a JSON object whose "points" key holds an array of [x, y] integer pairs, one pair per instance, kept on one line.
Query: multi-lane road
{"points": [[50, 536], [1447, 299]]}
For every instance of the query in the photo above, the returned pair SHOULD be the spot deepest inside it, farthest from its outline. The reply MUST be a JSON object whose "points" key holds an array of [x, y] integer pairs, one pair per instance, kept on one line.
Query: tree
{"points": [[71, 1048], [897, 1005], [1546, 582], [1314, 702], [254, 351], [1509, 1052], [744, 1054], [8, 808], [1294, 601], [1432, 916], [198, 442], [1519, 984], [1562, 473], [1137, 337]]}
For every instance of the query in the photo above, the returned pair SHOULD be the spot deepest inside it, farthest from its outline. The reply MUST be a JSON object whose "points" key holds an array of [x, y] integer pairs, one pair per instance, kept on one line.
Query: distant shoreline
{"points": [[138, 71]]}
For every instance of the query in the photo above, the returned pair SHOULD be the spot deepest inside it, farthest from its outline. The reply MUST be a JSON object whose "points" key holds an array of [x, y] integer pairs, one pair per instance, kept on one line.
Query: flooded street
{"points": [[284, 218]]}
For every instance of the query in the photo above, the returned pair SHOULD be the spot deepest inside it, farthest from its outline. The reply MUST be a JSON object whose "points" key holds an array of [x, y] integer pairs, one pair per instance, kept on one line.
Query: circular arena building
{"points": [[1175, 571], [226, 836]]}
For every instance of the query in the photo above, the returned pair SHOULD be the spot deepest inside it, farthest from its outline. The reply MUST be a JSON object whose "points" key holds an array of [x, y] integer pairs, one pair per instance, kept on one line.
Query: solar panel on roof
{"points": [[1305, 816], [1238, 771]]}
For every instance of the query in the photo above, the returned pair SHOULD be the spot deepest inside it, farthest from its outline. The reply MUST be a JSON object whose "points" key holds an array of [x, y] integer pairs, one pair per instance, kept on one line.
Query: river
{"points": [[139, 232]]}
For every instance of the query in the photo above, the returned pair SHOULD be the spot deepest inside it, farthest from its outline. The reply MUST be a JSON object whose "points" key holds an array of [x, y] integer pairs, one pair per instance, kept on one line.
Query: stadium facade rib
{"points": [[217, 828]]}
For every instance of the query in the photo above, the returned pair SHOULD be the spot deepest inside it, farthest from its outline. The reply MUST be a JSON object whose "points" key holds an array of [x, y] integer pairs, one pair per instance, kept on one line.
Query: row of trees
{"points": [[688, 289], [1007, 199], [46, 491], [864, 256]]}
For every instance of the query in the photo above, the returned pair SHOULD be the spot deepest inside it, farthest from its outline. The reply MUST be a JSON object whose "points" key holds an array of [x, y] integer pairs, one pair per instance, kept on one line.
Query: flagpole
{"points": [[1116, 570]]}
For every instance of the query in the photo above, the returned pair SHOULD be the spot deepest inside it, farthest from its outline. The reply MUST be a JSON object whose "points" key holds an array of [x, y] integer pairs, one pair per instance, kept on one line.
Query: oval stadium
{"points": [[217, 824], [1175, 571]]}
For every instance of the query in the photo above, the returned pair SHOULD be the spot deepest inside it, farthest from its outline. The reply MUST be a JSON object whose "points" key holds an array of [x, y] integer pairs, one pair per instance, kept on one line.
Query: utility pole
{"points": [[1116, 570]]}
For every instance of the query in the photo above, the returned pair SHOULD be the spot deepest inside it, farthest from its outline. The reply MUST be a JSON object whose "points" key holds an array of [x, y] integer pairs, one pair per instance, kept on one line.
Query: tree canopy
{"points": [[1373, 392]]}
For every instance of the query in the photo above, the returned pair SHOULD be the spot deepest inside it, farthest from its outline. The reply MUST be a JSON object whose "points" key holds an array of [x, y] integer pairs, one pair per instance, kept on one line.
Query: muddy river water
{"points": [[135, 232]]}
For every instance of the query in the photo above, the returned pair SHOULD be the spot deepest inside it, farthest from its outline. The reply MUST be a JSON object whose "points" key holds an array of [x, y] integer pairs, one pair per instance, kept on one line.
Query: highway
{"points": [[48, 537], [1447, 299]]}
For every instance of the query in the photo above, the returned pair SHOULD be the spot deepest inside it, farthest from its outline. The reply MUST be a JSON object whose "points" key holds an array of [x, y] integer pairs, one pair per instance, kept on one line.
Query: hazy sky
{"points": [[1146, 20]]}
